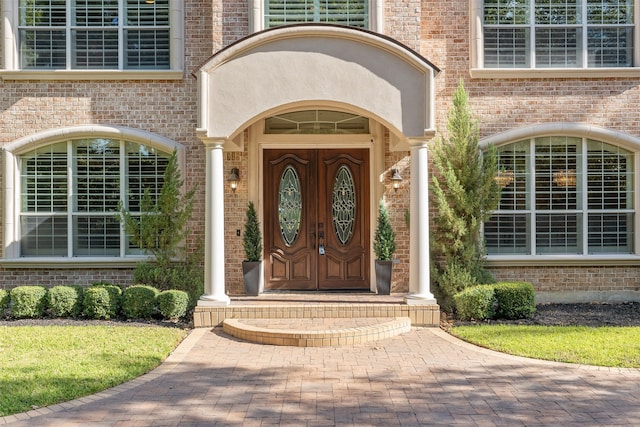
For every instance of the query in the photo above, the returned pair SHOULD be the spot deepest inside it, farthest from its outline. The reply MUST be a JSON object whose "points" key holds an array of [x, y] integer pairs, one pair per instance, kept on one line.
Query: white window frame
{"points": [[585, 132], [10, 62], [12, 197], [478, 70], [376, 16]]}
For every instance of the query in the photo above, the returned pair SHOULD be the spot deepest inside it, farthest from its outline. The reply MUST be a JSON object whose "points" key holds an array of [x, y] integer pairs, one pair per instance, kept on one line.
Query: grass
{"points": [[45, 365], [603, 346]]}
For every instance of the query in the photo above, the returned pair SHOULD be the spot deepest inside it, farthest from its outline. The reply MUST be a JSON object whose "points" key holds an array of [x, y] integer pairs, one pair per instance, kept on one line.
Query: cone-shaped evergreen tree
{"points": [[384, 241], [252, 238], [162, 226], [464, 194]]}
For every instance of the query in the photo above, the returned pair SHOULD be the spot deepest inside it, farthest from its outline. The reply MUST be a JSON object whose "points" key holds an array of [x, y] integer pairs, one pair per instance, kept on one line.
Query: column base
{"points": [[418, 299], [214, 301]]}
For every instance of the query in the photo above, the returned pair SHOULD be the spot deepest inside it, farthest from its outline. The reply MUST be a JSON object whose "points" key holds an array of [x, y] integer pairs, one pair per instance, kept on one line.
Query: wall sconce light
{"points": [[395, 179], [233, 179]]}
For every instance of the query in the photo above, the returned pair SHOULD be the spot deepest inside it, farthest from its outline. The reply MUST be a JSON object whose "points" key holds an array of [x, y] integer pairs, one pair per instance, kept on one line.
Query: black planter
{"points": [[251, 272], [383, 277]]}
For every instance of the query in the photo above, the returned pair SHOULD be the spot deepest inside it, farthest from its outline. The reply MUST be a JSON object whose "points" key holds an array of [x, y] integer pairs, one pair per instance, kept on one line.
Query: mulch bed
{"points": [[594, 315]]}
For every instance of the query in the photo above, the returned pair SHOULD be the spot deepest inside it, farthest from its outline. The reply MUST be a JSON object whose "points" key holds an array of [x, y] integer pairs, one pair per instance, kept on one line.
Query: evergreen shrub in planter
{"points": [[384, 246], [252, 244]]}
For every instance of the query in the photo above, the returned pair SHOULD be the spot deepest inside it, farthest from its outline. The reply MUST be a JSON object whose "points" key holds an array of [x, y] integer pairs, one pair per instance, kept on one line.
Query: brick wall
{"points": [[53, 277], [439, 30]]}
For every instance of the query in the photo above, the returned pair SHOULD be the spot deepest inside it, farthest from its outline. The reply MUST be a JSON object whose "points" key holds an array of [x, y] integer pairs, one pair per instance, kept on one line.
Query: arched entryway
{"points": [[312, 68]]}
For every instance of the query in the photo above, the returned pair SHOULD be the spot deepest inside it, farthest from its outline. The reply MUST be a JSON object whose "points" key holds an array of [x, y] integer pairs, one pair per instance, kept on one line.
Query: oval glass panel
{"points": [[289, 205], [343, 205]]}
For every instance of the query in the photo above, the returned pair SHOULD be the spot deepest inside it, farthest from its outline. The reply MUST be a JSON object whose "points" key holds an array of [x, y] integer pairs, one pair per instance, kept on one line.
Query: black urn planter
{"points": [[251, 271], [383, 277]]}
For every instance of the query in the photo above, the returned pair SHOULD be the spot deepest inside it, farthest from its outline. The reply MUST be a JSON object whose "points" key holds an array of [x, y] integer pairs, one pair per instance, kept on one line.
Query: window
{"points": [[354, 13], [94, 35], [316, 122], [557, 33], [70, 192], [563, 195]]}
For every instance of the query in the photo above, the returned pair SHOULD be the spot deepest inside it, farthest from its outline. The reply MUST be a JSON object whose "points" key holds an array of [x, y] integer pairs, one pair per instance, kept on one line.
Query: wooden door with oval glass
{"points": [[316, 219]]}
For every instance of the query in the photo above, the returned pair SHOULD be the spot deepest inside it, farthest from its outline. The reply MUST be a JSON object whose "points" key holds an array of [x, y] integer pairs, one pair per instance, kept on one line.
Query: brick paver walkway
{"points": [[424, 377]]}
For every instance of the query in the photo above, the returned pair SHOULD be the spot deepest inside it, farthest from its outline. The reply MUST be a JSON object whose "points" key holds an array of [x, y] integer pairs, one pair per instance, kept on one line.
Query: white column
{"points": [[214, 285], [419, 260]]}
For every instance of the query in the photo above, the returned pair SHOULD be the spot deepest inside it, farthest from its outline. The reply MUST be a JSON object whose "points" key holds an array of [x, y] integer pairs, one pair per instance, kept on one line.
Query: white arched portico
{"points": [[372, 75]]}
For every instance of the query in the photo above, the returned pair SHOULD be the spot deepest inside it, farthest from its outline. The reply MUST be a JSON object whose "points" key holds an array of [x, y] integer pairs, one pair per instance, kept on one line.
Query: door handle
{"points": [[313, 236], [320, 238]]}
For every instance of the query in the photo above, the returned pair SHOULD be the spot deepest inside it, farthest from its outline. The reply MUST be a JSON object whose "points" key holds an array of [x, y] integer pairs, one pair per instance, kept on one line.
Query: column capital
{"points": [[210, 141], [422, 141]]}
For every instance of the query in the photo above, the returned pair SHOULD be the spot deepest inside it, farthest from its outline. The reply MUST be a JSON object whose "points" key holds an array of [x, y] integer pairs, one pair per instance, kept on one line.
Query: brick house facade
{"points": [[580, 107]]}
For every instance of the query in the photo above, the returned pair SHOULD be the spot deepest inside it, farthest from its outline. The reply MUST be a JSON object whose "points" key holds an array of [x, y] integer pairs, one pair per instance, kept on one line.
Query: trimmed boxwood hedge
{"points": [[98, 301], [28, 301], [66, 301], [516, 300], [475, 303], [503, 300], [139, 302], [5, 299], [172, 304]]}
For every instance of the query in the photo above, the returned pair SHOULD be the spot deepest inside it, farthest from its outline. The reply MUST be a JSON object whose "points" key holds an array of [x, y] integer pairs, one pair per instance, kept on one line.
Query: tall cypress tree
{"points": [[464, 193], [162, 226]]}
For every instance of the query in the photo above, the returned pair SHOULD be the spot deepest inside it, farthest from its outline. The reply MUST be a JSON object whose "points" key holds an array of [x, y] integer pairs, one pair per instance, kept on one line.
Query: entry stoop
{"points": [[316, 332], [317, 306]]}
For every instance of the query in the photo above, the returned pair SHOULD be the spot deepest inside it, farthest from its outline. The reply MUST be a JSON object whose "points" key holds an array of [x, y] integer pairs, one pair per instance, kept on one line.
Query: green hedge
{"points": [[5, 299], [172, 304], [139, 302], [28, 301], [97, 303], [503, 300], [475, 303], [66, 301], [516, 300], [115, 297]]}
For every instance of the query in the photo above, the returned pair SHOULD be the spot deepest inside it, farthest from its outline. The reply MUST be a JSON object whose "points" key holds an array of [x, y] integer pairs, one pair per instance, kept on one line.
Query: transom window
{"points": [[558, 33], [94, 34], [354, 13], [317, 121], [70, 192], [563, 195]]}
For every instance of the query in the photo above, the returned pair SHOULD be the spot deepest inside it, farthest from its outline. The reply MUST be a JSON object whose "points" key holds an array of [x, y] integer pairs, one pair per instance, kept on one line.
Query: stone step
{"points": [[318, 332]]}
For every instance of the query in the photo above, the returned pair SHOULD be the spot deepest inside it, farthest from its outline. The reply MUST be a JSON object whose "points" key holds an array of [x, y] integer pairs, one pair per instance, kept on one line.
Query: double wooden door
{"points": [[316, 219]]}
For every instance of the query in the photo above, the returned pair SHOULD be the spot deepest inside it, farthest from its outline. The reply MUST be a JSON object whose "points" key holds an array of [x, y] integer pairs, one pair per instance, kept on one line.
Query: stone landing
{"points": [[331, 332], [317, 306]]}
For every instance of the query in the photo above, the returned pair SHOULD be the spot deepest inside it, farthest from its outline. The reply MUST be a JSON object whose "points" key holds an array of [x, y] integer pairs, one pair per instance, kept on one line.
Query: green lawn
{"points": [[604, 346], [44, 365]]}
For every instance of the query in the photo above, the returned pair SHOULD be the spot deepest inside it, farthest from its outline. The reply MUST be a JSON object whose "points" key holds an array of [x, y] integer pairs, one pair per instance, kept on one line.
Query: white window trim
{"points": [[11, 228], [580, 130], [10, 68], [376, 16], [476, 48]]}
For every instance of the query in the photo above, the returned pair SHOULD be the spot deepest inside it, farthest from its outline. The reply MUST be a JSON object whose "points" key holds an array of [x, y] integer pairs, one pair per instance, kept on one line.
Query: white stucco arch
{"points": [[582, 130], [312, 66], [322, 63]]}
